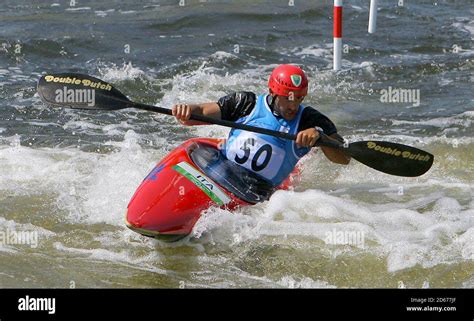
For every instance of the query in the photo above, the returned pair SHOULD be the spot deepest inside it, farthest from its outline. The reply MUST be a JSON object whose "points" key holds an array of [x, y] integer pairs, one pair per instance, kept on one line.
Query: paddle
{"points": [[85, 92]]}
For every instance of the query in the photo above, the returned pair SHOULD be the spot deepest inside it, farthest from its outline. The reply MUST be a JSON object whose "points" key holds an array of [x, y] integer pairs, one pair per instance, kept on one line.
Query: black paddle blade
{"points": [[80, 91], [392, 158]]}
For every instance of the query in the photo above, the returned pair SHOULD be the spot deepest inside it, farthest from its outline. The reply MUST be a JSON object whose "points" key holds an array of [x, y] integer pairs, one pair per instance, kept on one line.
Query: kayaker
{"points": [[270, 157]]}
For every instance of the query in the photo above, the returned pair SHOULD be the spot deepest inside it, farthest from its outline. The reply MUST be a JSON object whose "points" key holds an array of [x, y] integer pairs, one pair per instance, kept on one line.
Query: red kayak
{"points": [[192, 178]]}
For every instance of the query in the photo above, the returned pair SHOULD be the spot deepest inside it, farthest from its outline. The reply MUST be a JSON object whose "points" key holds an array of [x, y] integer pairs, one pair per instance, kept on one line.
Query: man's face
{"points": [[287, 107]]}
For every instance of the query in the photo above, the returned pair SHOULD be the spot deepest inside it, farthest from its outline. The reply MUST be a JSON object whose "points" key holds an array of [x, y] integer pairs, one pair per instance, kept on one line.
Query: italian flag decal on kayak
{"points": [[203, 182]]}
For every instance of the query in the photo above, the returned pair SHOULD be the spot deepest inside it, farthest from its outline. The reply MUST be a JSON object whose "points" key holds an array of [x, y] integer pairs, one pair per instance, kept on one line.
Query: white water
{"points": [[428, 225]]}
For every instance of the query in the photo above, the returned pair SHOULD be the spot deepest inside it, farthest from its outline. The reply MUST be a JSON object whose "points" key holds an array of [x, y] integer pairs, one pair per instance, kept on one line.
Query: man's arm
{"points": [[230, 107], [183, 112], [307, 134], [336, 155], [308, 137]]}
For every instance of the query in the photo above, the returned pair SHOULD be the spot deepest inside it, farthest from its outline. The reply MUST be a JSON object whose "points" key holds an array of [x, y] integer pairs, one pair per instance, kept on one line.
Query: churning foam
{"points": [[406, 235], [89, 187]]}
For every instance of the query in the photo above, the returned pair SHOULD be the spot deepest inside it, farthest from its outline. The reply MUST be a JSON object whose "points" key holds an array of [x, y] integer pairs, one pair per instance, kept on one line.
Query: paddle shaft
{"points": [[384, 157], [230, 124]]}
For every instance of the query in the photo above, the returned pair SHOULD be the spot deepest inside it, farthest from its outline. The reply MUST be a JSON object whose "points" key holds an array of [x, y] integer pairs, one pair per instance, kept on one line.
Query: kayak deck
{"points": [[192, 178], [234, 178]]}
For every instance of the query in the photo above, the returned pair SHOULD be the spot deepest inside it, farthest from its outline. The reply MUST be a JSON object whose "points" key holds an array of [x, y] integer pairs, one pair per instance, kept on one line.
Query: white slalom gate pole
{"points": [[373, 15], [337, 34]]}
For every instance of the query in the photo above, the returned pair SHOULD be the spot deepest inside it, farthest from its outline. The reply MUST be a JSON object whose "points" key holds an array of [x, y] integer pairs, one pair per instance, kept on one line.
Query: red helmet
{"points": [[288, 78]]}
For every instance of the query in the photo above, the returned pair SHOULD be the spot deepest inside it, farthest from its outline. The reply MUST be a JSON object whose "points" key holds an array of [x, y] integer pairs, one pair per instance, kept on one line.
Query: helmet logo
{"points": [[296, 80]]}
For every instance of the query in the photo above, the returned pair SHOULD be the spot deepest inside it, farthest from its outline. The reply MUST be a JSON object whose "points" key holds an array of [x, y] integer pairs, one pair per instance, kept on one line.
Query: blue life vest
{"points": [[270, 157]]}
